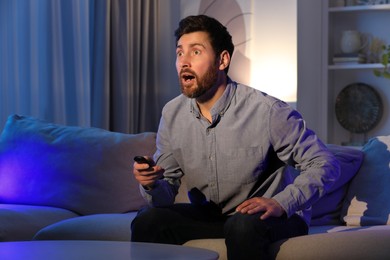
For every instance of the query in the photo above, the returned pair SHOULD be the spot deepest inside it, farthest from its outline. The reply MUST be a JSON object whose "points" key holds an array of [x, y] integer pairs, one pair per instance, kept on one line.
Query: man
{"points": [[232, 143]]}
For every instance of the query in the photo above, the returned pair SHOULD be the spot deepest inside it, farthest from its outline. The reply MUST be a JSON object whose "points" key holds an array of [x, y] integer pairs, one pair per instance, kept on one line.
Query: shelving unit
{"points": [[319, 80], [374, 22]]}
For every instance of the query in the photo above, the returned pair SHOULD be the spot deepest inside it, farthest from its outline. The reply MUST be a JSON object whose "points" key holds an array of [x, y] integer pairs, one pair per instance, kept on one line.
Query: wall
{"points": [[274, 48], [310, 97]]}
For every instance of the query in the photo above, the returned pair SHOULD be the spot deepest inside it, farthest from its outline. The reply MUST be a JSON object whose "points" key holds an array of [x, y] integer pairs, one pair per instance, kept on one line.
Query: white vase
{"points": [[351, 41]]}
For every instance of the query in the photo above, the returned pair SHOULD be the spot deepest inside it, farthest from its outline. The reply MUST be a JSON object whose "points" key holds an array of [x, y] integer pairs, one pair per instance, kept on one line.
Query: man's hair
{"points": [[220, 38]]}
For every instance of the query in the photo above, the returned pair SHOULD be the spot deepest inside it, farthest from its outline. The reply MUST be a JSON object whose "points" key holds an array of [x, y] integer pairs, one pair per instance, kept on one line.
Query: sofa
{"points": [[62, 182]]}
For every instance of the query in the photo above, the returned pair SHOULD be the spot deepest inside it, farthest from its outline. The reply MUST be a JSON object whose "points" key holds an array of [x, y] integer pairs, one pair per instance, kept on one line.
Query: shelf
{"points": [[355, 66], [384, 7]]}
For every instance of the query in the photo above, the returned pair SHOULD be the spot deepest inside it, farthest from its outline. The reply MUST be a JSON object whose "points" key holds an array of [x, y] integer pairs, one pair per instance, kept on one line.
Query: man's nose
{"points": [[185, 61]]}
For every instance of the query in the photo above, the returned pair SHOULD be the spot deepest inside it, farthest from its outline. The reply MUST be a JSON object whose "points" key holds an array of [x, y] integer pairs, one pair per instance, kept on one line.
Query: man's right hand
{"points": [[147, 175]]}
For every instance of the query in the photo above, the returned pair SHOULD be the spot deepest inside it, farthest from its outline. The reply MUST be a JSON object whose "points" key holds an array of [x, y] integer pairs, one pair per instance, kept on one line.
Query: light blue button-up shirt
{"points": [[242, 153]]}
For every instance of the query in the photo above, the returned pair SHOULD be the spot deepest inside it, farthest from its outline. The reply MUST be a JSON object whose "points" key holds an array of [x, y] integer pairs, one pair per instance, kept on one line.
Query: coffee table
{"points": [[99, 250]]}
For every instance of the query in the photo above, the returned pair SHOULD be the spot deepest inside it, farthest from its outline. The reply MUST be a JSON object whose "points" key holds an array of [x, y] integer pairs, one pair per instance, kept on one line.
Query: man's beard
{"points": [[200, 85]]}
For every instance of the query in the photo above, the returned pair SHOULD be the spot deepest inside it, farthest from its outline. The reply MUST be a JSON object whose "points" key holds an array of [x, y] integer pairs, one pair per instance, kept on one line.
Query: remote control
{"points": [[141, 159]]}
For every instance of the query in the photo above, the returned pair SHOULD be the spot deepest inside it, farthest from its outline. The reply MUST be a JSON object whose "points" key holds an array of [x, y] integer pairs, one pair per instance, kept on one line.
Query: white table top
{"points": [[99, 250]]}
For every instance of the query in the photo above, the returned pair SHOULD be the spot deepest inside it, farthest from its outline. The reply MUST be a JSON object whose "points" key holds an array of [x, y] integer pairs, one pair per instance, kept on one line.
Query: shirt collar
{"points": [[222, 103]]}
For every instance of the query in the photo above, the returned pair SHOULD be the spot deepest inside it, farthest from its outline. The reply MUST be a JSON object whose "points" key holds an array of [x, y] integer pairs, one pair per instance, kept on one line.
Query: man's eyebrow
{"points": [[191, 45]]}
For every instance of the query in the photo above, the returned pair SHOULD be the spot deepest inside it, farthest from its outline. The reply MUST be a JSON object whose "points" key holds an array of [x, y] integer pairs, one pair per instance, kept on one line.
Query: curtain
{"points": [[128, 85], [81, 62]]}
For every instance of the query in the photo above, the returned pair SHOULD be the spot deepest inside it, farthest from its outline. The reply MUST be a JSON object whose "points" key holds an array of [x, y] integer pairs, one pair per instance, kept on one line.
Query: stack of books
{"points": [[349, 58]]}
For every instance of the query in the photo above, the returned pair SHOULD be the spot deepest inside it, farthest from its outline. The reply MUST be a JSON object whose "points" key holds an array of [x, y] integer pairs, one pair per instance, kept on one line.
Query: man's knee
{"points": [[244, 225]]}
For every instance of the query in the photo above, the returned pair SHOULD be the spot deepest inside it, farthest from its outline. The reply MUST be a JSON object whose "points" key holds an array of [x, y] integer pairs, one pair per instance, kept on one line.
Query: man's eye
{"points": [[197, 52], [180, 53]]}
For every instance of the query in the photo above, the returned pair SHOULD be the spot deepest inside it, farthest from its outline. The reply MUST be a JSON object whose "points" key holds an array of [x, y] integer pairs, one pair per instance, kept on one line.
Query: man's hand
{"points": [[147, 175], [270, 207]]}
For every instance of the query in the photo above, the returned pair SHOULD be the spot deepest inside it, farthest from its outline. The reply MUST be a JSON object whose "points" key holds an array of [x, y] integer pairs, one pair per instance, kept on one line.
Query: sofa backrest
{"points": [[86, 170]]}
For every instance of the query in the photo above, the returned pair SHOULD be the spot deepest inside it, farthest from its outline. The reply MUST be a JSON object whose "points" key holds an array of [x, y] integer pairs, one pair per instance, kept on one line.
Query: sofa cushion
{"points": [[21, 222], [114, 227], [368, 199], [326, 211], [372, 244], [85, 170], [362, 244]]}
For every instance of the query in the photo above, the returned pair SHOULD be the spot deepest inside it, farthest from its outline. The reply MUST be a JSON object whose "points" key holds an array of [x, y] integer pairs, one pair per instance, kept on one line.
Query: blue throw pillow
{"points": [[368, 199]]}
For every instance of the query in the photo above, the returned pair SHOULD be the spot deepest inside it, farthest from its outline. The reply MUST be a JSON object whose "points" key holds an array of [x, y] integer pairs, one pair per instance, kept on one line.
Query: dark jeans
{"points": [[246, 236]]}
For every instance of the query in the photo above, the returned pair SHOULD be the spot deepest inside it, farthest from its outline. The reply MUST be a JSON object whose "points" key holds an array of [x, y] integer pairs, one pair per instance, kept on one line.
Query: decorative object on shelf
{"points": [[375, 50], [385, 60], [352, 41], [349, 58], [358, 109]]}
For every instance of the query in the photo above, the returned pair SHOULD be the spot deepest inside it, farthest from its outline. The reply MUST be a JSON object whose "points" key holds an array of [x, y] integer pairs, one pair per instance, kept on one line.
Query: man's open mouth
{"points": [[187, 77]]}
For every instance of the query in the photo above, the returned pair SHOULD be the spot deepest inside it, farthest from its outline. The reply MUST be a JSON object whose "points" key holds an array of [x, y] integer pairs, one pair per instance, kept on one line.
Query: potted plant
{"points": [[385, 60]]}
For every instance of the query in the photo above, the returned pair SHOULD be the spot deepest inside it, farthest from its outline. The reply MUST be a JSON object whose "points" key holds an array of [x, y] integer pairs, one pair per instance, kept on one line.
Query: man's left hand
{"points": [[270, 207]]}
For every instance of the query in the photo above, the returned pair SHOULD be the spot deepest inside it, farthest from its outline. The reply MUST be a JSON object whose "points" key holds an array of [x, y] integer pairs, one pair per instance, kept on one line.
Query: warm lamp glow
{"points": [[276, 76], [274, 49]]}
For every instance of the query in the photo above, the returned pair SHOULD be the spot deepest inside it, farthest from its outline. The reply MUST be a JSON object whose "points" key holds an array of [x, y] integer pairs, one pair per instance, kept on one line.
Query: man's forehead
{"points": [[194, 39]]}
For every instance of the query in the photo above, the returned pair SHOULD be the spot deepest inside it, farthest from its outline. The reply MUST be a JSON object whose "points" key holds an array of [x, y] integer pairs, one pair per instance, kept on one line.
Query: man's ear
{"points": [[224, 60]]}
